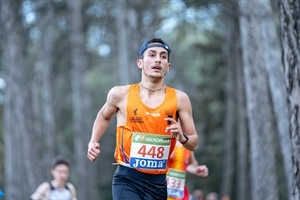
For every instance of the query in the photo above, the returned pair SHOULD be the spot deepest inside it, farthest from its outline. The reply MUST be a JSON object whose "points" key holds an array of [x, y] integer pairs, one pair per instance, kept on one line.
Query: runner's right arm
{"points": [[102, 121]]}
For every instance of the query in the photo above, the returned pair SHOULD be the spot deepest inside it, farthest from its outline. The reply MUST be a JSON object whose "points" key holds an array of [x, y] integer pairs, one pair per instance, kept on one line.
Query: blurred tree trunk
{"points": [[234, 42], [230, 110], [270, 42], [82, 121], [254, 16], [235, 112], [19, 134], [129, 40], [243, 181], [45, 65], [122, 42], [290, 33]]}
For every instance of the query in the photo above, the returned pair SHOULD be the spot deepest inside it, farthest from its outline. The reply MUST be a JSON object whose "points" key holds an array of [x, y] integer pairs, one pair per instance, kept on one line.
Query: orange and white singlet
{"points": [[142, 142], [178, 162]]}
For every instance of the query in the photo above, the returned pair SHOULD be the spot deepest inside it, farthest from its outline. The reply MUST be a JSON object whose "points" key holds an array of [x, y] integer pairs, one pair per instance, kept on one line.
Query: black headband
{"points": [[156, 42]]}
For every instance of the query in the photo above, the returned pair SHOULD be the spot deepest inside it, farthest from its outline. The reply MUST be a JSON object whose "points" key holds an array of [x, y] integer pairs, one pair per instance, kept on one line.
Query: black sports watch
{"points": [[186, 138]]}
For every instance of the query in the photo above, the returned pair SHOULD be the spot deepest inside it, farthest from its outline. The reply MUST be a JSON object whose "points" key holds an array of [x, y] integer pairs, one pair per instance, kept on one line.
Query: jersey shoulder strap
{"points": [[51, 186], [67, 187]]}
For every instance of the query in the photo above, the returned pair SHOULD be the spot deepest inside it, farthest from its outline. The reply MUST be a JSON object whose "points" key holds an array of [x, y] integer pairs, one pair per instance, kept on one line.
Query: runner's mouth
{"points": [[157, 67]]}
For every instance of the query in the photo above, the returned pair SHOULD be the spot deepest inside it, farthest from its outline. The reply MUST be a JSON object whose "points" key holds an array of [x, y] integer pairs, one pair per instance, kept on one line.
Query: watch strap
{"points": [[186, 139]]}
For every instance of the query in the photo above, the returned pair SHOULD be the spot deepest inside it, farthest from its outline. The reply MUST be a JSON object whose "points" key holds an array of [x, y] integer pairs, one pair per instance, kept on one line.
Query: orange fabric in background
{"points": [[179, 160]]}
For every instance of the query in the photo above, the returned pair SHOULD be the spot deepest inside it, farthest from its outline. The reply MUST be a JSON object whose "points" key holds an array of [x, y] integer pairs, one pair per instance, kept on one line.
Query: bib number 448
{"points": [[153, 152]]}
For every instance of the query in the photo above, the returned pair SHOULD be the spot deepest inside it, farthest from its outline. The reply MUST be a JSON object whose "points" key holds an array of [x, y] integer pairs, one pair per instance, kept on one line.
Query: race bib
{"points": [[149, 151], [176, 182]]}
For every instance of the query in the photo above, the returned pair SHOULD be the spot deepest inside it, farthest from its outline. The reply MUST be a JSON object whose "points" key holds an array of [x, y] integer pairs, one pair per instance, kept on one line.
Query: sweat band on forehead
{"points": [[156, 42], [158, 45]]}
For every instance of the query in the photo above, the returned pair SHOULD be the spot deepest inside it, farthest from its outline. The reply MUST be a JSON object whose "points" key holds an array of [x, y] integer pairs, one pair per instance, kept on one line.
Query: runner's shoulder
{"points": [[70, 186], [45, 186], [181, 95], [117, 93]]}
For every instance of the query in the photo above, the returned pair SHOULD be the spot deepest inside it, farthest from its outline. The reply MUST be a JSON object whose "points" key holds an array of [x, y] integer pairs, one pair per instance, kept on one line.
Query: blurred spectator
{"points": [[58, 188], [198, 194], [212, 196], [225, 197]]}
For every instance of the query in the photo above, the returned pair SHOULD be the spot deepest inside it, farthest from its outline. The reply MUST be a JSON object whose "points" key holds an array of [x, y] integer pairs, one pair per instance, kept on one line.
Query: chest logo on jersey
{"points": [[135, 118], [152, 114]]}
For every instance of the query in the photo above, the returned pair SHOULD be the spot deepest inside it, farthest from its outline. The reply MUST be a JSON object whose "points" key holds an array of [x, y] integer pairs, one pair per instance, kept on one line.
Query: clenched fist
{"points": [[93, 151]]}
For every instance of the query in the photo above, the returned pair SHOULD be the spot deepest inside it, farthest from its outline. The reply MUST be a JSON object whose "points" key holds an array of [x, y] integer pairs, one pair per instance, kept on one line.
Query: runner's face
{"points": [[155, 62], [60, 173]]}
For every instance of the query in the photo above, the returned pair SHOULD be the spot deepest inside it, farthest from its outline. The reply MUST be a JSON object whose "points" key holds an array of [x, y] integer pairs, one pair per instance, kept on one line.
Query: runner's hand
{"points": [[175, 129], [93, 151], [202, 170]]}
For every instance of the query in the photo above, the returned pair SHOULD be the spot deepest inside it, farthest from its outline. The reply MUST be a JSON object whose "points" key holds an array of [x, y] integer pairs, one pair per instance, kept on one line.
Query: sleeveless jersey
{"points": [[142, 142], [62, 194], [178, 163]]}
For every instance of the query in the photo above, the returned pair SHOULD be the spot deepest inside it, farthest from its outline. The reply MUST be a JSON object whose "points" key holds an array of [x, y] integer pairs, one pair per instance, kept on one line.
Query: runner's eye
{"points": [[164, 56], [151, 54]]}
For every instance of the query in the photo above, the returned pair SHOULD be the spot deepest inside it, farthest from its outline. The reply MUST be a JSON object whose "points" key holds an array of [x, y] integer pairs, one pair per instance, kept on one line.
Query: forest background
{"points": [[238, 60]]}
